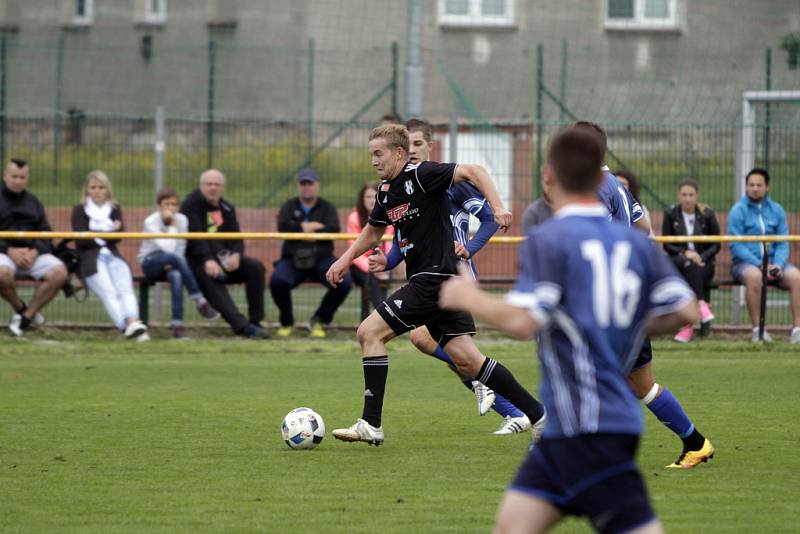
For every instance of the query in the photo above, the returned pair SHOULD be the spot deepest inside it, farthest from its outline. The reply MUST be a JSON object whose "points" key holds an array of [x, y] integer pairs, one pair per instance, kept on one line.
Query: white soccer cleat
{"points": [[538, 428], [484, 396], [135, 329], [15, 325], [513, 425], [360, 431], [767, 337]]}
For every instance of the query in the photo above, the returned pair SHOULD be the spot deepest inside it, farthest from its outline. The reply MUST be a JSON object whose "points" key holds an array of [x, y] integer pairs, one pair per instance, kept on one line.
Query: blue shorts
{"points": [[738, 269], [592, 475], [645, 355]]}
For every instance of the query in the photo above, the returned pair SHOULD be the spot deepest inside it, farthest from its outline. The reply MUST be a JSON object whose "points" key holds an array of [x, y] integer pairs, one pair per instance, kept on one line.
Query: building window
{"points": [[83, 12], [153, 12], [641, 15], [476, 13]]}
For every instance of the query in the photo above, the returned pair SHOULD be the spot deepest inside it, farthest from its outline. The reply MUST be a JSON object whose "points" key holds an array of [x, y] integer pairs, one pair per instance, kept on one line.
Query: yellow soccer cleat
{"points": [[317, 331], [689, 459], [284, 331]]}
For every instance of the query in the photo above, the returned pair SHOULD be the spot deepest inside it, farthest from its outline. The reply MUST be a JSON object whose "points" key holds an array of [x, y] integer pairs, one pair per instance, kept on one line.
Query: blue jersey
{"points": [[465, 200], [619, 202], [589, 283]]}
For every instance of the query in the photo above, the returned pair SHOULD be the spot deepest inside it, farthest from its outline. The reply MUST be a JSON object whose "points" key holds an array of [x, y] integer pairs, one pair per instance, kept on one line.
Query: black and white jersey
{"points": [[415, 203]]}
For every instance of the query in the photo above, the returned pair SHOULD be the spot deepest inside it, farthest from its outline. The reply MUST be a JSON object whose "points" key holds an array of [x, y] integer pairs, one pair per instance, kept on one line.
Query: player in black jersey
{"points": [[413, 198]]}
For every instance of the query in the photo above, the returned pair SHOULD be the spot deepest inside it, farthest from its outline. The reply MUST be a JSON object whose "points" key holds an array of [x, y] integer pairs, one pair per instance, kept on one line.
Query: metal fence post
{"points": [[3, 42], [767, 111], [453, 156], [394, 77], [310, 96], [212, 56], [562, 85], [159, 147], [539, 116], [57, 106]]}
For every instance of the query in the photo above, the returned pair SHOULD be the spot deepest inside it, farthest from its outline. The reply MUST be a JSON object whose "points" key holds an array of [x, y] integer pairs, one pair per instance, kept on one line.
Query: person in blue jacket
{"points": [[757, 214]]}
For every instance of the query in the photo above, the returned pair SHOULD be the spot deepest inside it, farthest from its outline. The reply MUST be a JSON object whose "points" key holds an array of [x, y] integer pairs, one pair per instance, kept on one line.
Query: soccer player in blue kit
{"points": [[625, 209], [591, 290], [464, 200]]}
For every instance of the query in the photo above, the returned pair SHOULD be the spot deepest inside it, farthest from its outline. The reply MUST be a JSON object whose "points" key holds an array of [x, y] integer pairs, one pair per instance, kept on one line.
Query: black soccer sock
{"points": [[376, 369], [495, 376], [25, 322], [694, 441], [22, 309]]}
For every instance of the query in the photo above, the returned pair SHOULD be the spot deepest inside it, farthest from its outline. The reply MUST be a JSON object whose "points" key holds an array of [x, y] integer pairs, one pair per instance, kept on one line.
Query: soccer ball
{"points": [[302, 428]]}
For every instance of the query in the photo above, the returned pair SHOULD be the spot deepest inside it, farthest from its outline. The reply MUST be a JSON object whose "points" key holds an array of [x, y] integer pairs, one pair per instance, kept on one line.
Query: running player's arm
{"points": [[371, 233], [486, 229], [671, 303], [477, 176]]}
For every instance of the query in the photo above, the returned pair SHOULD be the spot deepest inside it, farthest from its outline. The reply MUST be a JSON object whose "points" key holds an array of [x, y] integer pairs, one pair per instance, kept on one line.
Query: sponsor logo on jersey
{"points": [[384, 187], [396, 213], [412, 166], [405, 246], [409, 186]]}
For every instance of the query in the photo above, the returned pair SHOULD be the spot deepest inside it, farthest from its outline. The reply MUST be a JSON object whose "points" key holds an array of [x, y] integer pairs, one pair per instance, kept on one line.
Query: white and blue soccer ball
{"points": [[302, 428]]}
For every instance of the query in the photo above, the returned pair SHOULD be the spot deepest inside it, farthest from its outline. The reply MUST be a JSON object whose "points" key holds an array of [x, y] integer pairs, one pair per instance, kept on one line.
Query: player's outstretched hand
{"points": [[377, 261], [503, 218], [336, 273], [456, 293]]}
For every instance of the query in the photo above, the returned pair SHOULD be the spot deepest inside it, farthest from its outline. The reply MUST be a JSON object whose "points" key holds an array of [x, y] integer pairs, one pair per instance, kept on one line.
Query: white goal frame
{"points": [[745, 156]]}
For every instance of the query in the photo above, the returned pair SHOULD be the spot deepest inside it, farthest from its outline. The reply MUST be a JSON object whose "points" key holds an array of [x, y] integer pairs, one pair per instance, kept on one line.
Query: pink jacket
{"points": [[354, 227]]}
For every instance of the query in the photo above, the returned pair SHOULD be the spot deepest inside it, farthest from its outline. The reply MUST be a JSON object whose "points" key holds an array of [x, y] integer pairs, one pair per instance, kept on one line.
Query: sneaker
{"points": [[135, 329], [706, 315], [179, 331], [316, 329], [360, 431], [767, 337], [684, 335], [538, 428], [513, 425], [254, 331], [484, 396], [689, 459], [794, 338], [285, 331], [18, 324], [205, 309], [141, 338]]}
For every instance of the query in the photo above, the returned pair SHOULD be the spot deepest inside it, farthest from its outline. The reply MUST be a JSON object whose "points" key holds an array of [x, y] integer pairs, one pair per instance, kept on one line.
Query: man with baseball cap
{"points": [[306, 260]]}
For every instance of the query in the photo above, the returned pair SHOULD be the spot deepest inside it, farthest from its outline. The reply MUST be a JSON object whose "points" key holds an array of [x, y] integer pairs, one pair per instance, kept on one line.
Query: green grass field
{"points": [[99, 435]]}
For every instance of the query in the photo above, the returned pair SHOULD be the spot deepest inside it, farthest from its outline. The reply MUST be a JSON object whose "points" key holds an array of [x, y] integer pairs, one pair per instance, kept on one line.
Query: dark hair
{"points": [[758, 170], [165, 193], [576, 156], [20, 163], [419, 125], [634, 186], [361, 209], [691, 182], [391, 118], [597, 129]]}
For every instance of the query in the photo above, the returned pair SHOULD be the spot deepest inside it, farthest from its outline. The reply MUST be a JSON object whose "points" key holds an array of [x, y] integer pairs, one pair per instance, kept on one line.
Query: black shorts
{"points": [[591, 475], [645, 355], [417, 304]]}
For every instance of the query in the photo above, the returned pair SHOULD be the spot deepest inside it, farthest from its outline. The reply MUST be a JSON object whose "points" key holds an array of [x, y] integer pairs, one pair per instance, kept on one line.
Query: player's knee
{"points": [[365, 334], [422, 341]]}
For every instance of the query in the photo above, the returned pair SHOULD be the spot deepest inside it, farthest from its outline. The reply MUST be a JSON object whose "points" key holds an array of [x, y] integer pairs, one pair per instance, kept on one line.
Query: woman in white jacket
{"points": [[164, 259]]}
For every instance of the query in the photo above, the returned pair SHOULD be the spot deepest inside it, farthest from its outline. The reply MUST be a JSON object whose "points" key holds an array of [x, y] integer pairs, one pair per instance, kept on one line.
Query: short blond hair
{"points": [[102, 178], [396, 135]]}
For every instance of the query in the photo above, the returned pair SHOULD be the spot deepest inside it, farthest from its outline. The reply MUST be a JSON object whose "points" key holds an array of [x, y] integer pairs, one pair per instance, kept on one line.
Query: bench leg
{"points": [[144, 301]]}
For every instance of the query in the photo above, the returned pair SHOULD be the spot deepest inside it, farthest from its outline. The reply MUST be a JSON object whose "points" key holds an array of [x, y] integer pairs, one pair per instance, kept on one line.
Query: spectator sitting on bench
{"points": [[303, 260], [218, 262], [757, 214], [101, 266], [163, 259], [21, 210], [695, 261]]}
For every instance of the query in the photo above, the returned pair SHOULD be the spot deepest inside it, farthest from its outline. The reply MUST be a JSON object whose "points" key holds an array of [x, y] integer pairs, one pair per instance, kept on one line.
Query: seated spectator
{"points": [[216, 263], [101, 267], [695, 261], [21, 210], [359, 270], [757, 214], [307, 260], [164, 259], [537, 212]]}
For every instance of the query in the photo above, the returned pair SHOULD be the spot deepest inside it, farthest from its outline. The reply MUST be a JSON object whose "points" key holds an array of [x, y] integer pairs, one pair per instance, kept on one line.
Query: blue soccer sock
{"points": [[504, 407], [440, 354], [669, 411]]}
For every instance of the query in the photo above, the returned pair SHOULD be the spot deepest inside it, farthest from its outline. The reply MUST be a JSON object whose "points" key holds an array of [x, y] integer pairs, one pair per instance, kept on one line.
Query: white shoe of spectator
{"points": [[135, 329], [38, 320], [767, 337], [794, 339], [141, 338]]}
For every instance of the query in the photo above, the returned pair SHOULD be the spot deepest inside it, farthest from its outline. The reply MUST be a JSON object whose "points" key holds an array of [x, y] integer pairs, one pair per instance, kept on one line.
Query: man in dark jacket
{"points": [[21, 210], [219, 262], [307, 260]]}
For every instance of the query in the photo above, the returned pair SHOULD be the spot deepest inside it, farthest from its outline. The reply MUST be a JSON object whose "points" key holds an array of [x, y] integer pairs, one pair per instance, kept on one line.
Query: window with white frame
{"points": [[476, 13], [83, 12], [641, 14], [153, 12]]}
